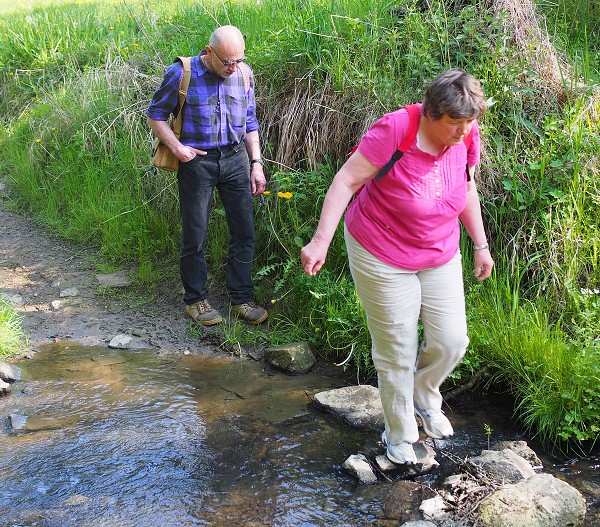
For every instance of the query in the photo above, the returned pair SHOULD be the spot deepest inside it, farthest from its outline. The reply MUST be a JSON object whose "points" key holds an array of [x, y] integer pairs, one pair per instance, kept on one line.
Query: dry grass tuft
{"points": [[523, 23], [309, 123]]}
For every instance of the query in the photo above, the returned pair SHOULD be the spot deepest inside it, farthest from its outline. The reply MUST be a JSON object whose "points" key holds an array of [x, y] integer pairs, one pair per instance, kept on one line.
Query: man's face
{"points": [[224, 59]]}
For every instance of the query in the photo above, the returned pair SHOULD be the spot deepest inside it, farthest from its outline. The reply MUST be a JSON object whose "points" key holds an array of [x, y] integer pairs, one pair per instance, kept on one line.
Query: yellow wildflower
{"points": [[266, 192], [285, 195]]}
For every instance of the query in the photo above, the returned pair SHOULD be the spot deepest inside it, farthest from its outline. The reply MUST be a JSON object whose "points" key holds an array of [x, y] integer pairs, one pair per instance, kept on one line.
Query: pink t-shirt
{"points": [[409, 218]]}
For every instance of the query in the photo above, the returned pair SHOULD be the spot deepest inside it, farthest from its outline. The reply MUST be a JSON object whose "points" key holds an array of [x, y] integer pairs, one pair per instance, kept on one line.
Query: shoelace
{"points": [[205, 306]]}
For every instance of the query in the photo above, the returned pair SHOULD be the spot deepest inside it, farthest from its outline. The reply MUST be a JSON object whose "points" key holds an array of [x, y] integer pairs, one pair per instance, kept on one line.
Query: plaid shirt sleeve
{"points": [[164, 101]]}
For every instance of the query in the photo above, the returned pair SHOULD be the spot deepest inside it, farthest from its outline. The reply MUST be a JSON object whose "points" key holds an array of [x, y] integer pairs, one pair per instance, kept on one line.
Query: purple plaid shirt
{"points": [[217, 112]]}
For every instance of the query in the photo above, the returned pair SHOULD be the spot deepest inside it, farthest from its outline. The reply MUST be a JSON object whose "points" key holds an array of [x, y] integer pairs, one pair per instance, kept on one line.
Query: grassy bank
{"points": [[75, 82]]}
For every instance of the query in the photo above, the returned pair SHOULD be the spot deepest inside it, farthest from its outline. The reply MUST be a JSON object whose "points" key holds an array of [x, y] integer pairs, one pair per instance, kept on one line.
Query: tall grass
{"points": [[12, 337], [75, 81], [553, 378]]}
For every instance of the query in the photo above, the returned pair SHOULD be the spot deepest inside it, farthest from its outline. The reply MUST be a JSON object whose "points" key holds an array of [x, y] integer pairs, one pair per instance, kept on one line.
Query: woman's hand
{"points": [[483, 264], [313, 256]]}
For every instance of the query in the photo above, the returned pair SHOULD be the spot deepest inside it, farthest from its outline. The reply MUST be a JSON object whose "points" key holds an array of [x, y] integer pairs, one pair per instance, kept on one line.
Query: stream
{"points": [[94, 437]]}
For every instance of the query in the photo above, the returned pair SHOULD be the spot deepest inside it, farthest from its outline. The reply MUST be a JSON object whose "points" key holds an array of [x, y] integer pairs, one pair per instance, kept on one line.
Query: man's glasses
{"points": [[227, 63]]}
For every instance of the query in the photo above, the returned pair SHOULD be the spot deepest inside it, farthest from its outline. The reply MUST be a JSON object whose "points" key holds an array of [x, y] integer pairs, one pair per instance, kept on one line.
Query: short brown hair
{"points": [[455, 93]]}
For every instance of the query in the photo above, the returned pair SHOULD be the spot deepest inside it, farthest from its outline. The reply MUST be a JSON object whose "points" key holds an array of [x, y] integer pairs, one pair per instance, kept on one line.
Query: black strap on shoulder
{"points": [[388, 166]]}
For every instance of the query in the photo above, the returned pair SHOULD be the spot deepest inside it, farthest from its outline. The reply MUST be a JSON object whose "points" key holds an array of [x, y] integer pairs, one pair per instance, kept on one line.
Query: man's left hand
{"points": [[257, 179]]}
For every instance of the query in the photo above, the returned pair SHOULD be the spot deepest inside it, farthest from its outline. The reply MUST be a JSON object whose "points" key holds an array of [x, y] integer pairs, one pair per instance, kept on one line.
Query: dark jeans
{"points": [[228, 170]]}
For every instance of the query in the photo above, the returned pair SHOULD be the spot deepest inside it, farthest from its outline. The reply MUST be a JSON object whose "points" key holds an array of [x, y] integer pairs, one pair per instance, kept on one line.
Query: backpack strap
{"points": [[414, 116], [245, 70], [468, 141], [184, 82]]}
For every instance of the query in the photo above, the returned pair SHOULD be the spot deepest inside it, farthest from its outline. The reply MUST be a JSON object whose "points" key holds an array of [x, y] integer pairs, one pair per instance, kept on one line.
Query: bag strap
{"points": [[245, 70], [184, 82], [414, 116]]}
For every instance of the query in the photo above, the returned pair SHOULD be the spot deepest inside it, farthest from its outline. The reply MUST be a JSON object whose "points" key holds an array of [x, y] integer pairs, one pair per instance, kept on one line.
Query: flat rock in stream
{"points": [[359, 405], [503, 465], [522, 450], [425, 463], [5, 388], [9, 372], [128, 342], [17, 421], [294, 359]]}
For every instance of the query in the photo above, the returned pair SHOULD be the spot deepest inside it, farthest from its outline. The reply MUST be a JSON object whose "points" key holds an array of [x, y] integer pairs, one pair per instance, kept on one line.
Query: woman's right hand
{"points": [[313, 256]]}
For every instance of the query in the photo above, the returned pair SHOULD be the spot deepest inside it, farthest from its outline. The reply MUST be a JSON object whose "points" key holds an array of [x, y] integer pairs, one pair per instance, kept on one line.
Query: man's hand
{"points": [[257, 179], [187, 153]]}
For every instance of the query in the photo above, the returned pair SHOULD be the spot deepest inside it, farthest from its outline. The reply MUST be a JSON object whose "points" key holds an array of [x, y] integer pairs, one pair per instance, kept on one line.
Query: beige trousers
{"points": [[394, 300]]}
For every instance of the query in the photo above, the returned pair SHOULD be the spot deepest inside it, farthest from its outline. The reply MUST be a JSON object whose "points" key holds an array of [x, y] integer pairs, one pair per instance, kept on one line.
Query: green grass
{"points": [[12, 337], [554, 379], [76, 78]]}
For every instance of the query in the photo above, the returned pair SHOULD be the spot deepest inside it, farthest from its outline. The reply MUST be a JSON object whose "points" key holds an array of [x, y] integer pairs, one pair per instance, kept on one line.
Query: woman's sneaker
{"points": [[400, 454], [435, 423]]}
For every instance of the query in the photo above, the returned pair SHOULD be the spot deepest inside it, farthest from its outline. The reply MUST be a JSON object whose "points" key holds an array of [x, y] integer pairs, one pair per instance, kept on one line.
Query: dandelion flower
{"points": [[285, 195], [53, 129], [273, 301], [38, 140], [266, 192]]}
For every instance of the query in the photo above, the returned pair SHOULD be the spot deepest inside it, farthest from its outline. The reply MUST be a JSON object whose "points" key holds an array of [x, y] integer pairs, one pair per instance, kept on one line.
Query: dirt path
{"points": [[39, 273]]}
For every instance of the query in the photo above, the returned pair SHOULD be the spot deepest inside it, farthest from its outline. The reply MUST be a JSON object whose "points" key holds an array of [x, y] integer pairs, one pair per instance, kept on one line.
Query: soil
{"points": [[39, 272]]}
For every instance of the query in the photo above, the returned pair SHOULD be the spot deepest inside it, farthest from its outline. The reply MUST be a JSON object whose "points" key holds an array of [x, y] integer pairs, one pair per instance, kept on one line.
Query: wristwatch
{"points": [[259, 161]]}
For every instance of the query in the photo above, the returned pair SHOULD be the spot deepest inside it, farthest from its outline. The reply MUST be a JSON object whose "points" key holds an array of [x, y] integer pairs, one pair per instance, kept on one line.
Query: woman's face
{"points": [[450, 131]]}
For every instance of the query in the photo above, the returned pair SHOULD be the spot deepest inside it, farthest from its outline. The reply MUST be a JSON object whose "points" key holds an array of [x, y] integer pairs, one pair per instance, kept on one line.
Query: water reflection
{"points": [[129, 438]]}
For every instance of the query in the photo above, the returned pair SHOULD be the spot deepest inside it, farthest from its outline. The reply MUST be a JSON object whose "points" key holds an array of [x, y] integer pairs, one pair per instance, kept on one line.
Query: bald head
{"points": [[226, 36], [225, 51]]}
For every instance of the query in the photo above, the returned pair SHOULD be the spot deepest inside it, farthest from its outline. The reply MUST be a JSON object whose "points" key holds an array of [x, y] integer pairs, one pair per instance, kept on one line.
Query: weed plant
{"points": [[75, 80]]}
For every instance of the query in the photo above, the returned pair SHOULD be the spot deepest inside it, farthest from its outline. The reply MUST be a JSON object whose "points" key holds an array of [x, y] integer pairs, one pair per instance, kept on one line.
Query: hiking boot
{"points": [[435, 423], [400, 454], [250, 312], [203, 313]]}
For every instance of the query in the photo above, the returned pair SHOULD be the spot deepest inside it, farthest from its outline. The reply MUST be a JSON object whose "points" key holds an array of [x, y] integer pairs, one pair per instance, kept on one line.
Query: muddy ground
{"points": [[54, 285]]}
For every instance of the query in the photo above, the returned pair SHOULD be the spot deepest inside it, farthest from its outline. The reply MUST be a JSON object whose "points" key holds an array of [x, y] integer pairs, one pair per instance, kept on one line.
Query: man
{"points": [[218, 148]]}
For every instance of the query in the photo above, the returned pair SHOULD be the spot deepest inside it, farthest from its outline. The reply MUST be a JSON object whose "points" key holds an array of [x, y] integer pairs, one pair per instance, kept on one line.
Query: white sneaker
{"points": [[400, 454], [435, 423]]}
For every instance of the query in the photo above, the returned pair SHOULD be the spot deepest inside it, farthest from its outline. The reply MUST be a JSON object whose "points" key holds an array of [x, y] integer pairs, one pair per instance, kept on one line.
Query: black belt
{"points": [[224, 151]]}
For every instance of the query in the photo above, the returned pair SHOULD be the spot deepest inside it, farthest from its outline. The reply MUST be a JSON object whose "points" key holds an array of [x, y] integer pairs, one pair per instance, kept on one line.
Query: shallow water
{"points": [[129, 438]]}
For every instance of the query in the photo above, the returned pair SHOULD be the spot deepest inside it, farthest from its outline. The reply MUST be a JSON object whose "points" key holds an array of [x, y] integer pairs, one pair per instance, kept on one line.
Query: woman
{"points": [[402, 235]]}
